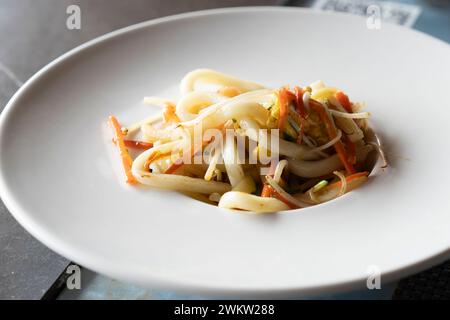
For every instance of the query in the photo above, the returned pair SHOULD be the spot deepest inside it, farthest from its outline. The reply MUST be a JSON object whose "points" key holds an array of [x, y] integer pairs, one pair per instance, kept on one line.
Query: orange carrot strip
{"points": [[266, 190], [299, 101], [138, 144], [332, 133], [265, 193], [283, 101], [344, 101], [290, 96], [124, 155]]}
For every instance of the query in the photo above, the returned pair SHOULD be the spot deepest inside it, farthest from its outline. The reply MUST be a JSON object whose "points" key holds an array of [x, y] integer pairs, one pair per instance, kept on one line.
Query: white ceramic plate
{"points": [[57, 179]]}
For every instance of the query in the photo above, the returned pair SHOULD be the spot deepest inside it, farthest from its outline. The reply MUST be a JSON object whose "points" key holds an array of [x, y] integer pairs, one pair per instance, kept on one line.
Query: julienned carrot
{"points": [[332, 133], [265, 193], [124, 155], [138, 144], [350, 178], [169, 114], [344, 101]]}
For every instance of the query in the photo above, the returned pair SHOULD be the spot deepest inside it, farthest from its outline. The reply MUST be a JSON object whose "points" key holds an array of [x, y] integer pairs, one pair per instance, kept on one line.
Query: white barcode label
{"points": [[392, 12]]}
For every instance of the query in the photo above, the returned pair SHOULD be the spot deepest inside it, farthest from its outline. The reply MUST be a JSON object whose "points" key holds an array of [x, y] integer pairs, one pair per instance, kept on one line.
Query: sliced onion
{"points": [[250, 202]]}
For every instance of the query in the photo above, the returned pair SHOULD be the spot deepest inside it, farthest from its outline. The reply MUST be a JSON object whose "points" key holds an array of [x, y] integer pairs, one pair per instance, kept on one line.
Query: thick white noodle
{"points": [[208, 76], [191, 104], [250, 105], [215, 197], [293, 150], [317, 85], [250, 202]]}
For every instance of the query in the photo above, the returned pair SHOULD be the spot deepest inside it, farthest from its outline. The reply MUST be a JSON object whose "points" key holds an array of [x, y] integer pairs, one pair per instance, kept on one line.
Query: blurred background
{"points": [[34, 32]]}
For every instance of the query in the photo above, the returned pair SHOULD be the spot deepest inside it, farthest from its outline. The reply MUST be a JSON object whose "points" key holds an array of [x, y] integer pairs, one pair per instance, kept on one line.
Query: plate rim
{"points": [[64, 249]]}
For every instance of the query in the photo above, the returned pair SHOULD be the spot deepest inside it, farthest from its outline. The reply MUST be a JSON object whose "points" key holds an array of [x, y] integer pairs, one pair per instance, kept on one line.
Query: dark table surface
{"points": [[33, 33]]}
